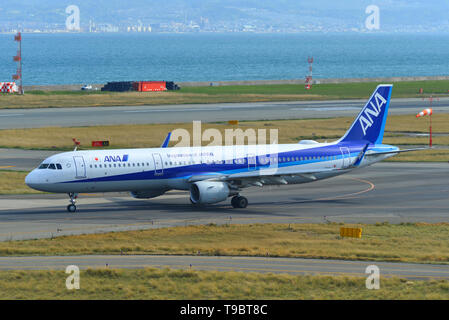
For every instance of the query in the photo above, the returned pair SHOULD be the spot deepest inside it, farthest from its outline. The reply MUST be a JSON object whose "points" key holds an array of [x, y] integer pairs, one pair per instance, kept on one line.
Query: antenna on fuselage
{"points": [[76, 143]]}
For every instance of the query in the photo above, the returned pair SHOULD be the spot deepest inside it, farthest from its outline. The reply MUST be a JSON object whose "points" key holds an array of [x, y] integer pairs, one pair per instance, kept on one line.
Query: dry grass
{"points": [[290, 131], [13, 182], [152, 135], [135, 99], [421, 243], [194, 285]]}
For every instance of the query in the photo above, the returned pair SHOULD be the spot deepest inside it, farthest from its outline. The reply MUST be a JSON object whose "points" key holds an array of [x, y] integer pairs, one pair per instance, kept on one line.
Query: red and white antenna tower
{"points": [[309, 77], [18, 59]]}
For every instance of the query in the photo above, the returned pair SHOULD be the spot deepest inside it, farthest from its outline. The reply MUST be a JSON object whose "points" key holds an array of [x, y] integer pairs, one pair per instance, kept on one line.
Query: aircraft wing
{"points": [[273, 175], [259, 178]]}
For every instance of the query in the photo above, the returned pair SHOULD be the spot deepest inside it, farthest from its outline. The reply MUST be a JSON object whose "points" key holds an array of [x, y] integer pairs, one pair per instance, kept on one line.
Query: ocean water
{"points": [[98, 58]]}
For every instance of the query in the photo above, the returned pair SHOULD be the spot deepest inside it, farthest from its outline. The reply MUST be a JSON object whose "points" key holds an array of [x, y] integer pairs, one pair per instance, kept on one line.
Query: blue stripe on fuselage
{"points": [[230, 168]]}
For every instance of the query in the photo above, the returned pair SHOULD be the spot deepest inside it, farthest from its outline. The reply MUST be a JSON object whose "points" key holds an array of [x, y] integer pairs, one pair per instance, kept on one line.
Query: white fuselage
{"points": [[172, 168]]}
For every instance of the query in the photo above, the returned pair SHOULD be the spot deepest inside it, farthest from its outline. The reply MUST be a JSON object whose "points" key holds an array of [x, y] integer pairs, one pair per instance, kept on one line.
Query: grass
{"points": [[13, 182], [412, 242], [289, 131], [195, 285], [402, 89], [222, 94]]}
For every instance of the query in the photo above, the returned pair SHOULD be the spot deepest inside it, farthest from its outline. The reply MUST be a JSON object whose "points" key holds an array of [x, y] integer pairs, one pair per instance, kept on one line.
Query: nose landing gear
{"points": [[72, 207]]}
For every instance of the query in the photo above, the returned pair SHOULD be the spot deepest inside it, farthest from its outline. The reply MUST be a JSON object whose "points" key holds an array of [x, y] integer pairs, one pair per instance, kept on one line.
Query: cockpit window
{"points": [[43, 166], [58, 166], [52, 166]]}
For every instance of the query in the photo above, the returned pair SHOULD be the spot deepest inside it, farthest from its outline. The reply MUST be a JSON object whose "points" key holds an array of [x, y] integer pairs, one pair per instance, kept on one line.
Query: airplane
{"points": [[212, 174]]}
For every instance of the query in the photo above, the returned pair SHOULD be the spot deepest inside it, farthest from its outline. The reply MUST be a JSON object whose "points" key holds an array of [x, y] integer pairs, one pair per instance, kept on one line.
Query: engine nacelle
{"points": [[147, 194], [208, 192]]}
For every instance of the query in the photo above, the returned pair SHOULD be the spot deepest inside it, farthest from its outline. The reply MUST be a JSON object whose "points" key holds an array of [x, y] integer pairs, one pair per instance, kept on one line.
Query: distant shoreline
{"points": [[70, 87]]}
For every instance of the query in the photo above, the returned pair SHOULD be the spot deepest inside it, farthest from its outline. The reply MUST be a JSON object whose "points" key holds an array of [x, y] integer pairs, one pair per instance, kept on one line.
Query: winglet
{"points": [[166, 141], [359, 158]]}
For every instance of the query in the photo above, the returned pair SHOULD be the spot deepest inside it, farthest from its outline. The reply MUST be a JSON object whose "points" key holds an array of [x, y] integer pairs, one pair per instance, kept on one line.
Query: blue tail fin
{"points": [[370, 123]]}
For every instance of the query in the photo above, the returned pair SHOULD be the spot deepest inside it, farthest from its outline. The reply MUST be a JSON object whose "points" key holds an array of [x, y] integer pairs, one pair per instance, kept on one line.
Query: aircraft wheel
{"points": [[234, 201], [239, 202], [71, 208]]}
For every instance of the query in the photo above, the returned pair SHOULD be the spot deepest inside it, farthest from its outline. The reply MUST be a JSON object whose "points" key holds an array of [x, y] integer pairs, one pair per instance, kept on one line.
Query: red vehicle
{"points": [[150, 86]]}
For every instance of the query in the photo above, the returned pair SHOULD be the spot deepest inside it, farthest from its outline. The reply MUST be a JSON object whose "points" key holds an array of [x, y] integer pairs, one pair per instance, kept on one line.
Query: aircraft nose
{"points": [[32, 180]]}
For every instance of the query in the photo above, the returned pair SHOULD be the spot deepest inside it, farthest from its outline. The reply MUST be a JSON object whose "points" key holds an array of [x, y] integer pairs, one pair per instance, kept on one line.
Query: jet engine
{"points": [[208, 192]]}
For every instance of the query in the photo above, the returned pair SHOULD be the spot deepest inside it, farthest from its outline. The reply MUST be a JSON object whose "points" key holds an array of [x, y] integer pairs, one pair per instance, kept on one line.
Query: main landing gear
{"points": [[239, 202], [72, 207]]}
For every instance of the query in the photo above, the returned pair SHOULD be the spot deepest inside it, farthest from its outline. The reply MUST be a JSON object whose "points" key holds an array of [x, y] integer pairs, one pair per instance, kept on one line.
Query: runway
{"points": [[393, 192], [294, 266], [69, 117]]}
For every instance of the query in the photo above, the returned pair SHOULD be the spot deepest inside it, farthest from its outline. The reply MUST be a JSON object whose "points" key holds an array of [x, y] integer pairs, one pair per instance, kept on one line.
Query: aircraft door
{"points": [[345, 157], [158, 166], [80, 167]]}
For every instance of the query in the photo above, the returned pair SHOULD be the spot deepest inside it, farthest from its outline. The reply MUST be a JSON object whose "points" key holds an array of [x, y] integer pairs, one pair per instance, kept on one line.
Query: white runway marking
{"points": [[12, 115]]}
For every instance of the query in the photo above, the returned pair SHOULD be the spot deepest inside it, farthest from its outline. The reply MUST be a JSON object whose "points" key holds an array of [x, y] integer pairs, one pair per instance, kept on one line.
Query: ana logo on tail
{"points": [[365, 118]]}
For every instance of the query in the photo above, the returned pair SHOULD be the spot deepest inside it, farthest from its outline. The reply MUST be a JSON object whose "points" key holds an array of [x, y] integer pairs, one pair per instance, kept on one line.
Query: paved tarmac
{"points": [[393, 192], [68, 117], [293, 266], [22, 160]]}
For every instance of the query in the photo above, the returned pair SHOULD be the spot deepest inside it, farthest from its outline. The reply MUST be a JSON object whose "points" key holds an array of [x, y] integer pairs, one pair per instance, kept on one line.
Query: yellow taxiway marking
{"points": [[5, 167]]}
